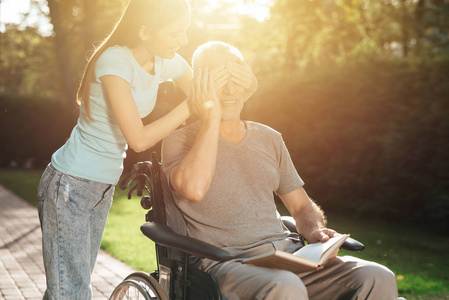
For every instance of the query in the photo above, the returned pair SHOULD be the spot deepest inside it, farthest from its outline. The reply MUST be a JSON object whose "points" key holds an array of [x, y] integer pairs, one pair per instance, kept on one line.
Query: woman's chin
{"points": [[169, 54]]}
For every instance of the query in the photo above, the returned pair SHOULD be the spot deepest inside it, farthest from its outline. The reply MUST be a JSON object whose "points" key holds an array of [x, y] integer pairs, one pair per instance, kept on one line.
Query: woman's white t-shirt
{"points": [[96, 149]]}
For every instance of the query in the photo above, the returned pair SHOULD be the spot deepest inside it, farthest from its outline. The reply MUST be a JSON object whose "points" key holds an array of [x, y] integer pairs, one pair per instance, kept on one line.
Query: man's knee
{"points": [[285, 285], [377, 273], [378, 280]]}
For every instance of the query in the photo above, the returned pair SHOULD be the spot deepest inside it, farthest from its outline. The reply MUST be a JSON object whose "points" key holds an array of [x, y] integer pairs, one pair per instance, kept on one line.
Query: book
{"points": [[311, 257]]}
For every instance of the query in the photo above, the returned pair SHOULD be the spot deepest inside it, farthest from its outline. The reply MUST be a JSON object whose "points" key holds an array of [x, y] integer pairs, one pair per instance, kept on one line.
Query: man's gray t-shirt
{"points": [[238, 211]]}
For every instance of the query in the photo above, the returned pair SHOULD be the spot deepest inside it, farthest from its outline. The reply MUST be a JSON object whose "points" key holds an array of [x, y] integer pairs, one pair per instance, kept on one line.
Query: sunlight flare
{"points": [[258, 9]]}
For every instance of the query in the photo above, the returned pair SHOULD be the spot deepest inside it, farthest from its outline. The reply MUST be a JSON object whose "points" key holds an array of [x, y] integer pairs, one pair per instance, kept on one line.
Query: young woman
{"points": [[118, 88]]}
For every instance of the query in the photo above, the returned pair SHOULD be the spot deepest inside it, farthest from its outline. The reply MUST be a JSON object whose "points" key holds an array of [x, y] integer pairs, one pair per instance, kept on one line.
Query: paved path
{"points": [[21, 267]]}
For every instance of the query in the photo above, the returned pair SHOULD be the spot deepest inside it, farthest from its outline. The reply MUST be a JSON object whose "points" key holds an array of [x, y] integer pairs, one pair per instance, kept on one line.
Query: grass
{"points": [[418, 259], [23, 183], [122, 237]]}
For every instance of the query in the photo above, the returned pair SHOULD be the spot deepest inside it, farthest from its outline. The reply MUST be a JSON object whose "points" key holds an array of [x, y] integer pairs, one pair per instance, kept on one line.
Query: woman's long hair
{"points": [[153, 14]]}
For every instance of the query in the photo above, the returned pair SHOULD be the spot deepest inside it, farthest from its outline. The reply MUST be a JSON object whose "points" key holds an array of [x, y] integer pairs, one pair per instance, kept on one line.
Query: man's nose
{"points": [[229, 87]]}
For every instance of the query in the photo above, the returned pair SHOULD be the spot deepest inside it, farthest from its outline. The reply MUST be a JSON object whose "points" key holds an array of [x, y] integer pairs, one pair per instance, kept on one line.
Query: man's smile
{"points": [[232, 101]]}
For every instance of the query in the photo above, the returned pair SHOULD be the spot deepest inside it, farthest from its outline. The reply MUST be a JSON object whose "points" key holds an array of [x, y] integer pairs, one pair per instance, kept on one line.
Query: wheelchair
{"points": [[175, 278]]}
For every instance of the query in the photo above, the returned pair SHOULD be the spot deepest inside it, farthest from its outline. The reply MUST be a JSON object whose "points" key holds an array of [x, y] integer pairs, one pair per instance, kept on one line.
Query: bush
{"points": [[32, 129], [369, 138]]}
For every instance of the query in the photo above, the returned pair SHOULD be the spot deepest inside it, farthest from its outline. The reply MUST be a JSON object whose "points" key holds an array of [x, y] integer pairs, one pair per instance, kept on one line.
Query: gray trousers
{"points": [[344, 277]]}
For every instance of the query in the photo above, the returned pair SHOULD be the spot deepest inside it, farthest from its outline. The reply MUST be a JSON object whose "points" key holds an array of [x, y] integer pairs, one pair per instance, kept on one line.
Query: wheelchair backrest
{"points": [[173, 217]]}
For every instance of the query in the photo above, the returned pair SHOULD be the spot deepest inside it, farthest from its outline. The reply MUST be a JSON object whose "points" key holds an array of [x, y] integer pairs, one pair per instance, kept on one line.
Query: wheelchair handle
{"points": [[139, 168]]}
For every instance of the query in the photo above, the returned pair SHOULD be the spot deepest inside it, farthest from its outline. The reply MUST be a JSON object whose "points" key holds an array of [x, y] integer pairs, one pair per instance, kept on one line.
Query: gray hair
{"points": [[212, 48]]}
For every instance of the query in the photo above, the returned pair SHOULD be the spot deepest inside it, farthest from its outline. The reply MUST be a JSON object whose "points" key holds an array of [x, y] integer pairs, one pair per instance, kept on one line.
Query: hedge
{"points": [[369, 138]]}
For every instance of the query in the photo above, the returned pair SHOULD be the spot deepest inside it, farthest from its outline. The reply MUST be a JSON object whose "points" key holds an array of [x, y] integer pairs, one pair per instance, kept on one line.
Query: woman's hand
{"points": [[204, 98], [221, 76], [243, 75]]}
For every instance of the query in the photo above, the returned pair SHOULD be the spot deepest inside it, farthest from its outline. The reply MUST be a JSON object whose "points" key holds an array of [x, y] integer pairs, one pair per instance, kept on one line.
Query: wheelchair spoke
{"points": [[131, 290], [139, 285]]}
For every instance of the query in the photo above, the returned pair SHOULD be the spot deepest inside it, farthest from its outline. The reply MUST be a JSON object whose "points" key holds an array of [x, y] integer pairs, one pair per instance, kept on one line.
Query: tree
{"points": [[77, 25], [25, 54]]}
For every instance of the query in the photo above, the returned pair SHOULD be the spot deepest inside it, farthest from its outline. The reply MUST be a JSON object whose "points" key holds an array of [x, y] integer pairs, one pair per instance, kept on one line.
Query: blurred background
{"points": [[358, 88]]}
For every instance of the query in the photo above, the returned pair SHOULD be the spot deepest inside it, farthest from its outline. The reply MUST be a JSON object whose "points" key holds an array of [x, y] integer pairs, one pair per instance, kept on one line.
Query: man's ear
{"points": [[143, 33]]}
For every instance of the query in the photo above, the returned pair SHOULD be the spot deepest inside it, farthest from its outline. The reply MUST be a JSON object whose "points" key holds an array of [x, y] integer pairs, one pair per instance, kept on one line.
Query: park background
{"points": [[359, 90]]}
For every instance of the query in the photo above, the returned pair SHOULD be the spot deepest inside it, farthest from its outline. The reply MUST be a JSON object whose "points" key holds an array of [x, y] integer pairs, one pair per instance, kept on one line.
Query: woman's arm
{"points": [[185, 82], [140, 137]]}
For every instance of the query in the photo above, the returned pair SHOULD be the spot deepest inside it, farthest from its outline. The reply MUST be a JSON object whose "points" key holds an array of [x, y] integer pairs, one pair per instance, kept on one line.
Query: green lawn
{"points": [[22, 182], [418, 259], [122, 237]]}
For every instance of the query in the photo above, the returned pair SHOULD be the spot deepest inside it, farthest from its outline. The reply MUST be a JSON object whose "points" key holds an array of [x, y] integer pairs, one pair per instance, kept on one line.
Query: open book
{"points": [[309, 258]]}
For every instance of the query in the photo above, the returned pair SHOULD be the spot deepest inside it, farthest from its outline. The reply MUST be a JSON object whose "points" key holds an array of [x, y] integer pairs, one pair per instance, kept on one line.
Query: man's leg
{"points": [[348, 277], [245, 282]]}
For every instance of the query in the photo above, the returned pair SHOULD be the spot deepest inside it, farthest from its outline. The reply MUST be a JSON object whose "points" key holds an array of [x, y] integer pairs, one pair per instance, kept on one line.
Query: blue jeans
{"points": [[73, 213]]}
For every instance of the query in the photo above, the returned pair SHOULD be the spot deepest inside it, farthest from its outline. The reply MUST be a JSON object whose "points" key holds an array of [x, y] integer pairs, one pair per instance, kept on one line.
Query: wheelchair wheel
{"points": [[151, 286], [130, 289]]}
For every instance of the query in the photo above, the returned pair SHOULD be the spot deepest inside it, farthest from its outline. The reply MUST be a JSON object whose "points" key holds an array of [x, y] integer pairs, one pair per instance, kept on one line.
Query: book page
{"points": [[317, 250], [283, 260]]}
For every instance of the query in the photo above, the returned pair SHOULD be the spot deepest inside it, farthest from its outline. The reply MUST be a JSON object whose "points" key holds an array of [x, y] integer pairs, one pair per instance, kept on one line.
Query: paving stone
{"points": [[22, 274]]}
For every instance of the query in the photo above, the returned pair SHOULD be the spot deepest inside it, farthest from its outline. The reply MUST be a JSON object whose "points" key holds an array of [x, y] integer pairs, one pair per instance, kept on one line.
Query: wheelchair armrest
{"points": [[290, 223], [350, 244], [163, 235]]}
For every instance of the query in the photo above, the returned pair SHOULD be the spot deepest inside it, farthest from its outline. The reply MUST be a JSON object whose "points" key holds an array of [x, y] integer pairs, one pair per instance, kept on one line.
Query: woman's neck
{"points": [[143, 58]]}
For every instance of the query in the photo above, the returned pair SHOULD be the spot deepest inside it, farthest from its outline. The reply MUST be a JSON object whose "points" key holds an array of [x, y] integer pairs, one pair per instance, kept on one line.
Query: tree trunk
{"points": [[419, 24], [63, 52], [405, 29]]}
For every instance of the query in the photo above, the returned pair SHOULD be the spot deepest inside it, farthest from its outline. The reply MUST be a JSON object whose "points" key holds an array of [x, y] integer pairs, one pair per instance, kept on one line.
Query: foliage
{"points": [[368, 138], [325, 33], [357, 87], [32, 129], [25, 56], [296, 34], [77, 26]]}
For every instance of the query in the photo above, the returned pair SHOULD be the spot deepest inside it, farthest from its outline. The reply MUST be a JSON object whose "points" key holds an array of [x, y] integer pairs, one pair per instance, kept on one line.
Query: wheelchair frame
{"points": [[174, 278]]}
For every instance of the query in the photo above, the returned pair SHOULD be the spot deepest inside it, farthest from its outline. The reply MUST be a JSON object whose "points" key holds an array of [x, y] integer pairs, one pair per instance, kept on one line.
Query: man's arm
{"points": [[192, 177], [310, 220]]}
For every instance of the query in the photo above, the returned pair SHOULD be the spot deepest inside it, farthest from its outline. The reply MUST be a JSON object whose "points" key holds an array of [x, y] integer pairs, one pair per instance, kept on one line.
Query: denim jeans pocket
{"points": [[45, 181], [46, 178], [105, 195], [84, 192]]}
